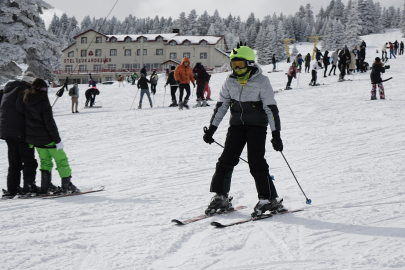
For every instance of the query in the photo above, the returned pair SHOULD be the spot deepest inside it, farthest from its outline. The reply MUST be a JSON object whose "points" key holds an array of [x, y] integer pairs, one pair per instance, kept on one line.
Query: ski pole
{"points": [[164, 98], [309, 201], [134, 99]]}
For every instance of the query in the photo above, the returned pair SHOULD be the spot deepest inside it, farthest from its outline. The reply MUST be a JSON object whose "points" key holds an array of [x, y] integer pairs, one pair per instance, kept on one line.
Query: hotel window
{"points": [[136, 65], [99, 39], [114, 40], [96, 67], [68, 68], [83, 53], [127, 52], [187, 43], [160, 39], [71, 54], [203, 44], [84, 40], [186, 54], [173, 55], [159, 51], [128, 40], [113, 52], [173, 43], [98, 52], [138, 52], [108, 79], [83, 68], [145, 52], [203, 55], [112, 66]]}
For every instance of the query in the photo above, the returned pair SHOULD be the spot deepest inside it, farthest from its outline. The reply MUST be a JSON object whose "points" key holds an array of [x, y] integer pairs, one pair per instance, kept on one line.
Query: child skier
{"points": [[121, 80], [376, 80], [317, 65], [253, 107], [292, 72], [153, 81], [143, 85], [43, 134]]}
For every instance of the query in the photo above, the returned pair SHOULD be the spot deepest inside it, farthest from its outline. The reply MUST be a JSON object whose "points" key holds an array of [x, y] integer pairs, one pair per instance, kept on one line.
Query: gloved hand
{"points": [[209, 132], [194, 85], [178, 83], [276, 141], [59, 146]]}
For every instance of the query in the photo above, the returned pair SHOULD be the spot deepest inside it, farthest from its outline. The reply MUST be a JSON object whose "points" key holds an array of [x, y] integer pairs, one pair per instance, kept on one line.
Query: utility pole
{"points": [[316, 41], [286, 47]]}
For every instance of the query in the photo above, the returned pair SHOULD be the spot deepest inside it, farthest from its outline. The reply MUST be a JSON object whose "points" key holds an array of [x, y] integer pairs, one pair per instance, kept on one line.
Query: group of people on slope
{"points": [[393, 47], [26, 123]]}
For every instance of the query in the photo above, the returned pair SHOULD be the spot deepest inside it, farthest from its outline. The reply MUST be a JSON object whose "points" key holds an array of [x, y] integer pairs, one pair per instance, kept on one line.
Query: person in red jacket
{"points": [[392, 52], [292, 72], [183, 75]]}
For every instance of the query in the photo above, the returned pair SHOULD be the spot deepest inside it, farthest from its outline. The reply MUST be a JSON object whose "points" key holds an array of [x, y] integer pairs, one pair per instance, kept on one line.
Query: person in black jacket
{"points": [[273, 61], [344, 58], [91, 96], [42, 133], [401, 48], [12, 129], [362, 55], [326, 62], [173, 86], [143, 85], [307, 62], [143, 71], [376, 80], [396, 46]]}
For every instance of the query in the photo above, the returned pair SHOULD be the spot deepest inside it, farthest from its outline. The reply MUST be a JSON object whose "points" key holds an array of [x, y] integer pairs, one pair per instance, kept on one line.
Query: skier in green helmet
{"points": [[253, 107]]}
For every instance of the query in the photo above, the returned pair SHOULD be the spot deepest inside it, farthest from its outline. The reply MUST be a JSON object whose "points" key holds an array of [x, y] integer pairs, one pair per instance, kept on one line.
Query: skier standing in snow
{"points": [[326, 62], [317, 65], [153, 82], [299, 62], [307, 62], [401, 48], [319, 55], [75, 97], [396, 46], [334, 62], [392, 53], [376, 80], [143, 71], [173, 86], [253, 107], [12, 129], [384, 48], [356, 53], [201, 80], [352, 65], [344, 58], [292, 72], [120, 80], [143, 85], [183, 76], [273, 61], [43, 134], [363, 50]]}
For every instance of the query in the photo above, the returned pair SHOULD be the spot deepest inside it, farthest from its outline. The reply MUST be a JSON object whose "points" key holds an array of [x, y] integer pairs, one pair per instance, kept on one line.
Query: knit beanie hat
{"points": [[28, 77]]}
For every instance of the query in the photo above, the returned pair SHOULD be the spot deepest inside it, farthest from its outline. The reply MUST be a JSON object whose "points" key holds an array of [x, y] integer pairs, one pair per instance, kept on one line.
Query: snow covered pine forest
{"points": [[346, 151]]}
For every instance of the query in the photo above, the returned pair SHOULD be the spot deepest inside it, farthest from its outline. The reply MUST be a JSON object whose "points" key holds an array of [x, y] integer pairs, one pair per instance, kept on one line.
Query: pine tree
{"points": [[54, 25], [321, 14], [182, 23], [353, 29], [212, 30], [377, 18], [250, 20], [301, 12], [280, 44], [64, 23], [294, 52], [270, 44], [337, 13], [309, 15], [204, 23], [85, 24], [260, 46], [396, 19], [329, 8], [193, 26], [367, 16], [346, 12]]}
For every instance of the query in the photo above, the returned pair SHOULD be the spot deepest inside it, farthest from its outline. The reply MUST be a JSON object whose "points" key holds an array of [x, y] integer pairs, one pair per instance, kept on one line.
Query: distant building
{"points": [[106, 56]]}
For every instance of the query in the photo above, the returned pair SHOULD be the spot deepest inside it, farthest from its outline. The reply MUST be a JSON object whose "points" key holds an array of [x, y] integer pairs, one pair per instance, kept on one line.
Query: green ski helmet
{"points": [[243, 52]]}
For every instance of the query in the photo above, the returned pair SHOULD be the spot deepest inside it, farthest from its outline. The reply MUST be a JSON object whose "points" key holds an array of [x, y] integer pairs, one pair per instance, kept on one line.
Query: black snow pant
{"points": [[153, 89], [313, 77], [326, 69], [333, 69], [289, 81], [306, 67], [90, 99], [20, 158], [181, 88], [200, 91], [173, 90], [401, 51], [342, 68], [236, 139]]}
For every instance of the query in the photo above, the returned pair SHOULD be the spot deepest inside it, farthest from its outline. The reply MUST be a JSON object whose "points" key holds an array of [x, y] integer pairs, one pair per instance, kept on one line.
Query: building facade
{"points": [[106, 56]]}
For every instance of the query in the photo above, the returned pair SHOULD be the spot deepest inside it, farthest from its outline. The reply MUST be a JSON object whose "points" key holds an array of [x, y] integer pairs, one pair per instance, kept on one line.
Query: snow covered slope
{"points": [[346, 151]]}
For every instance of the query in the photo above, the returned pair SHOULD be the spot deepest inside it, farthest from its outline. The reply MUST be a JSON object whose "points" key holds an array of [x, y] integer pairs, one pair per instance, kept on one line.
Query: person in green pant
{"points": [[42, 133]]}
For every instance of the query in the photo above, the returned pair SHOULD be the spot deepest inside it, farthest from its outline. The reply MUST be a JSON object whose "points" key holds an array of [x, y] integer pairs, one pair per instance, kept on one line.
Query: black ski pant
{"points": [[200, 91], [153, 88], [326, 69], [173, 90], [306, 67], [183, 87], [314, 77], [289, 81], [236, 139], [333, 69], [401, 51], [20, 158], [342, 68], [90, 99]]}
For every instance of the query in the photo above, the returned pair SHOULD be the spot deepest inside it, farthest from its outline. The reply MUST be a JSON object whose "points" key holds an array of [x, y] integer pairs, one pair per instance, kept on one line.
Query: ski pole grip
{"points": [[205, 129]]}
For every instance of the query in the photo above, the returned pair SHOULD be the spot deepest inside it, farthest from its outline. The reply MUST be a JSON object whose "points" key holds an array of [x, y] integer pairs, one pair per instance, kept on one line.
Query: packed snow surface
{"points": [[346, 151]]}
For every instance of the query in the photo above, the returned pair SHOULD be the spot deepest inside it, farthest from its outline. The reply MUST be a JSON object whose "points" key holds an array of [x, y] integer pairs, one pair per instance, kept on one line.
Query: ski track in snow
{"points": [[346, 151]]}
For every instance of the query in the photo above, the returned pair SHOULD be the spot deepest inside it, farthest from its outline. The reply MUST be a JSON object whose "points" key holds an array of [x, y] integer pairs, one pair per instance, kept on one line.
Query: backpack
{"points": [[72, 91], [205, 77], [154, 79]]}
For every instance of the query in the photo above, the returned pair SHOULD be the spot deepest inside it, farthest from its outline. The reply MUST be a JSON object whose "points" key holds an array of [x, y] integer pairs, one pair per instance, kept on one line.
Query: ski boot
{"points": [[30, 189], [174, 104], [264, 205], [198, 104], [8, 195], [150, 103], [185, 104], [46, 183], [221, 202], [68, 187], [288, 88], [180, 105], [205, 104]]}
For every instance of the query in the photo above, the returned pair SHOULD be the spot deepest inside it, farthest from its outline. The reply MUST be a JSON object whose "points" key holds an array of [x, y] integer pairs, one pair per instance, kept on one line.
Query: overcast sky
{"points": [[166, 8]]}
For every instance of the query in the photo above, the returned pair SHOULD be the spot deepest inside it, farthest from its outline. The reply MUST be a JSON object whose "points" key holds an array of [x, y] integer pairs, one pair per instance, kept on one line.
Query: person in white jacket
{"points": [[384, 52], [317, 65]]}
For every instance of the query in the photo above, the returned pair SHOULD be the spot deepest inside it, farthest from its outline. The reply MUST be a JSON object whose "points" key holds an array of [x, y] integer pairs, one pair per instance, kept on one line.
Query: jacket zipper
{"points": [[240, 104]]}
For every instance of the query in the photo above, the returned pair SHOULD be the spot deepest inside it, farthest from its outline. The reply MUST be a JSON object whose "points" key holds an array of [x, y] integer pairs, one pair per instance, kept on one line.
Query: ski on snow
{"points": [[86, 191], [220, 225], [194, 219]]}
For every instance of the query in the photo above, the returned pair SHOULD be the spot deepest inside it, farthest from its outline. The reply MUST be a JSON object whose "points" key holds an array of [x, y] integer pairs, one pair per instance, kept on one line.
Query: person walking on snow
{"points": [[74, 93], [43, 134], [392, 53], [396, 46], [356, 53], [143, 71], [21, 158], [292, 72], [134, 76], [334, 62], [202, 78], [253, 107], [319, 55], [183, 75], [384, 48], [326, 62], [344, 59], [173, 86], [317, 65], [153, 81], [273, 61], [120, 80], [299, 62], [376, 80], [143, 85], [401, 48], [307, 62]]}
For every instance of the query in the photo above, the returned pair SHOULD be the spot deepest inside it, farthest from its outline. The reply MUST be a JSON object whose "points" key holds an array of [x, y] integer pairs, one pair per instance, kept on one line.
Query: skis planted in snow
{"points": [[191, 220], [85, 191], [220, 225]]}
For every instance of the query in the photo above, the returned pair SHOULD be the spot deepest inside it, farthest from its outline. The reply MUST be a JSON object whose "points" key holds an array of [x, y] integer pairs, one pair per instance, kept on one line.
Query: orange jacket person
{"points": [[183, 75]]}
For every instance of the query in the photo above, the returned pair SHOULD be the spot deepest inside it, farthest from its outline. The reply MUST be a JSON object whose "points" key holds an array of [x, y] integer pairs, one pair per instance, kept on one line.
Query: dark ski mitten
{"points": [[209, 133], [276, 141]]}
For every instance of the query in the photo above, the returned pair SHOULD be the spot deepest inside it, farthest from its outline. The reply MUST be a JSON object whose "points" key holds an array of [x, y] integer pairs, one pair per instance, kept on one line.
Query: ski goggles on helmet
{"points": [[238, 64]]}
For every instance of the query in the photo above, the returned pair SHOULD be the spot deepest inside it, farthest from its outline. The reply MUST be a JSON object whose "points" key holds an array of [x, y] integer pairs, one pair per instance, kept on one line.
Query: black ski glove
{"points": [[178, 83], [194, 85], [209, 132], [276, 141]]}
